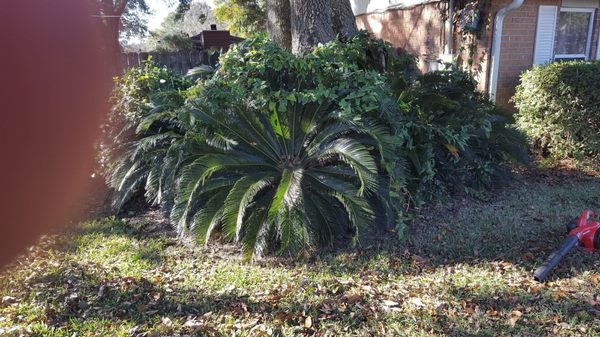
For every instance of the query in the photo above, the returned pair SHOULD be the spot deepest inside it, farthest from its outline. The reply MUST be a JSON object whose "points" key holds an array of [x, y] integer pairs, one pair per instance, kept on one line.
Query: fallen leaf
{"points": [[389, 303], [514, 317], [155, 295], [192, 323], [9, 300], [491, 313], [308, 322], [166, 321], [527, 256], [416, 301], [101, 291], [352, 298]]}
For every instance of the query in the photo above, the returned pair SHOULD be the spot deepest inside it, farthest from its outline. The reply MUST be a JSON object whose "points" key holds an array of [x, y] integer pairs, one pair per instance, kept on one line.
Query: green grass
{"points": [[465, 270]]}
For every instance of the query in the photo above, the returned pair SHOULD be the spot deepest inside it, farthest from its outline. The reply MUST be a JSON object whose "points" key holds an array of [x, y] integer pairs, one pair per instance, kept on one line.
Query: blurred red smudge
{"points": [[54, 80]]}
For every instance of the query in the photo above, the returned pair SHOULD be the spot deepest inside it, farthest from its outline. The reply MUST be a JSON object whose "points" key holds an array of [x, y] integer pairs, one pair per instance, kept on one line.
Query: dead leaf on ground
{"points": [[352, 298], [389, 303], [308, 322], [515, 315], [155, 295]]}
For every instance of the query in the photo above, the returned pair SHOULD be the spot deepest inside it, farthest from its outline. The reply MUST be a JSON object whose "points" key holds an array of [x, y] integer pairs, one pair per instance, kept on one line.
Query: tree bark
{"points": [[344, 23], [311, 24], [300, 25], [278, 22], [113, 29]]}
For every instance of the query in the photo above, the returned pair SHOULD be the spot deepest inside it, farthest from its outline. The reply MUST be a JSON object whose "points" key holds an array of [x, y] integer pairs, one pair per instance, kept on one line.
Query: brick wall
{"points": [[418, 30], [518, 40]]}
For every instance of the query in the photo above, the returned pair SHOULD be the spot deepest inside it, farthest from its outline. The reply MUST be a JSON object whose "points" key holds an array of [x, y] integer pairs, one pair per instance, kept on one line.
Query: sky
{"points": [[161, 8]]}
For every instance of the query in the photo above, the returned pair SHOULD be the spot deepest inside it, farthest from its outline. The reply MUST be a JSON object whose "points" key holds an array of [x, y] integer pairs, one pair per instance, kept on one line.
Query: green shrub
{"points": [[282, 153], [250, 142], [559, 108], [456, 140], [145, 121]]}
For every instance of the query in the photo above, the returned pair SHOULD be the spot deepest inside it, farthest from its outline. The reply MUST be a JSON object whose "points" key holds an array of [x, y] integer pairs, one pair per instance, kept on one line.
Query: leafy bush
{"points": [[455, 139], [146, 119], [266, 129], [559, 108], [281, 152]]}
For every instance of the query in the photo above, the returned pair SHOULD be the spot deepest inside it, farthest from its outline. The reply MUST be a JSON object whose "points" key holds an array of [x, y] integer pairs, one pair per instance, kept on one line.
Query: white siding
{"points": [[580, 3], [369, 6], [544, 36]]}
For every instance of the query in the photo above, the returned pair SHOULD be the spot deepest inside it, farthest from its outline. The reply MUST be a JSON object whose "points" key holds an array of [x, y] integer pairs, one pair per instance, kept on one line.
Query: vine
{"points": [[471, 19]]}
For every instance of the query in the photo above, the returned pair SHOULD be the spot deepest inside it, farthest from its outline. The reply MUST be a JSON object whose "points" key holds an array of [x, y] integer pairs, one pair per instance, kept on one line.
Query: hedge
{"points": [[559, 109]]}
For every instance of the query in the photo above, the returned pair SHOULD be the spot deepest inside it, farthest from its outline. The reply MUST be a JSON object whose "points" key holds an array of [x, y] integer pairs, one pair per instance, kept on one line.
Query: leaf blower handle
{"points": [[542, 272]]}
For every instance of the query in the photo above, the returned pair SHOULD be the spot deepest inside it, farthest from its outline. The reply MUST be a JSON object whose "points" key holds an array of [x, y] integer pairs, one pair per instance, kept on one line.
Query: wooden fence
{"points": [[179, 63]]}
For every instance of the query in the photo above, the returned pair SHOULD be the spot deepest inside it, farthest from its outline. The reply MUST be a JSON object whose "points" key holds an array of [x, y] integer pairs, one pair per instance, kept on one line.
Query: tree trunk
{"points": [[311, 24], [344, 23], [113, 28], [300, 25], [278, 22]]}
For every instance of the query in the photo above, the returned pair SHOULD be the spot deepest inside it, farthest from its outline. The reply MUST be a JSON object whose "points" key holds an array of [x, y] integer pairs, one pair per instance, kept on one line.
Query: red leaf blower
{"points": [[582, 232]]}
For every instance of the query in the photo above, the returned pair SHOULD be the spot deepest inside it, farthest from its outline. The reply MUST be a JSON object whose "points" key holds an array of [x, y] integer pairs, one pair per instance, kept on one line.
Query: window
{"points": [[573, 33], [563, 33]]}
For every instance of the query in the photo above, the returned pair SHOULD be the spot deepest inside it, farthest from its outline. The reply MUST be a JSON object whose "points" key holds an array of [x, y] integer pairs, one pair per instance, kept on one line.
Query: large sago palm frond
{"points": [[148, 162], [282, 181]]}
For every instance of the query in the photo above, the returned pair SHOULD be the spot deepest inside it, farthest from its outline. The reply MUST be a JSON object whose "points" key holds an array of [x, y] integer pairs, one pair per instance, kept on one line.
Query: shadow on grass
{"points": [[522, 225], [532, 314], [74, 295]]}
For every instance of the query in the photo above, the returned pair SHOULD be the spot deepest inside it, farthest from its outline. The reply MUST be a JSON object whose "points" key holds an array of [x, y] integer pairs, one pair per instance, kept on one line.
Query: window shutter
{"points": [[544, 37]]}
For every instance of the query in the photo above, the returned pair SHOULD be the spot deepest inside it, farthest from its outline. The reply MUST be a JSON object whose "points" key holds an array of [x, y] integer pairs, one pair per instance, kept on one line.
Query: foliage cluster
{"points": [[243, 17], [456, 140], [145, 107], [559, 108], [284, 153]]}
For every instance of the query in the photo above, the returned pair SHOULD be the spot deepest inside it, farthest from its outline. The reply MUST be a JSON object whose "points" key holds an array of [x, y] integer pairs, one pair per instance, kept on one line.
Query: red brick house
{"points": [[512, 35]]}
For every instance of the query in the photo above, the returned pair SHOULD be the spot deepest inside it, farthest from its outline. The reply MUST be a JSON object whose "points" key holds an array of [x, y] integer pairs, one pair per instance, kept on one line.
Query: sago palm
{"points": [[149, 161], [281, 181]]}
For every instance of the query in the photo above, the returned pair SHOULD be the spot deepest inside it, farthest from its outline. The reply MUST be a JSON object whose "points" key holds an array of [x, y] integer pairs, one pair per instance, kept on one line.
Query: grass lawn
{"points": [[464, 270]]}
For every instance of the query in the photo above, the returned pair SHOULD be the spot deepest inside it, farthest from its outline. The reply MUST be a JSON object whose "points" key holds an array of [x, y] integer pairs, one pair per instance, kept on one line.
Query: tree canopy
{"points": [[175, 31], [124, 19], [242, 17]]}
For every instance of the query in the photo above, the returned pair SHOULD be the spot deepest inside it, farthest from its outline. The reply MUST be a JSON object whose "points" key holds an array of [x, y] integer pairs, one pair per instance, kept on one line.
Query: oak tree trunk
{"points": [[278, 22], [300, 25], [344, 23], [311, 24]]}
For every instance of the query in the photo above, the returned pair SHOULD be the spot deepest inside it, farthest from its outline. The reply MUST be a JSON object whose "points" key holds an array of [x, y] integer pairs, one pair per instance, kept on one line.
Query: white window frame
{"points": [[598, 49], [586, 56]]}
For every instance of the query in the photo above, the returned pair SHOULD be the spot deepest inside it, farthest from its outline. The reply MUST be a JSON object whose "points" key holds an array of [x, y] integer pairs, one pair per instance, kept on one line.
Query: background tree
{"points": [[122, 18], [242, 17], [280, 30], [125, 19], [175, 32]]}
